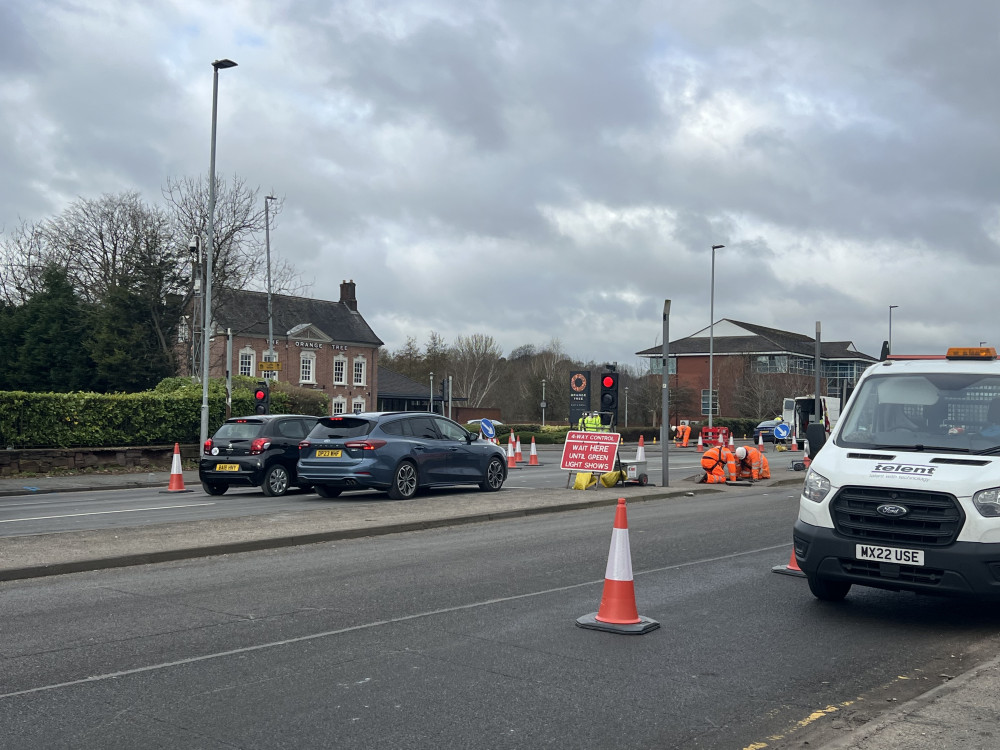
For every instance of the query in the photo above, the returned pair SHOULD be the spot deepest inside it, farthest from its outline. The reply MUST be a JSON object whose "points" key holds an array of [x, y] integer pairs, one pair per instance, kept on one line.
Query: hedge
{"points": [[169, 414]]}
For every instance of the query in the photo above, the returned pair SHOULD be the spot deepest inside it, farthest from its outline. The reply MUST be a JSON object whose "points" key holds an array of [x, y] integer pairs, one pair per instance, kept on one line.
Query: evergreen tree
{"points": [[51, 355]]}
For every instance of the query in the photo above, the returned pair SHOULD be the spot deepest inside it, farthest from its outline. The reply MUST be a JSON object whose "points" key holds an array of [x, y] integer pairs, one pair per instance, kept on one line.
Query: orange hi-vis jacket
{"points": [[718, 462], [754, 466], [682, 435]]}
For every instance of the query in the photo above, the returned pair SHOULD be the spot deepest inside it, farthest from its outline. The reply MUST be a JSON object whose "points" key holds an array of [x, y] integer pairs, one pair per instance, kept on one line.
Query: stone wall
{"points": [[45, 460]]}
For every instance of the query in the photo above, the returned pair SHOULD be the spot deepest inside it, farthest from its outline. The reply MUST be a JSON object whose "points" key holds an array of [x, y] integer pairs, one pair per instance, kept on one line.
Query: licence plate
{"points": [[889, 554], [227, 467], [327, 454]]}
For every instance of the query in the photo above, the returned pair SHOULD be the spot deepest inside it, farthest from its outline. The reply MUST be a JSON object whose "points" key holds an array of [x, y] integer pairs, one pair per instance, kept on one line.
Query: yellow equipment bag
{"points": [[610, 479], [584, 479]]}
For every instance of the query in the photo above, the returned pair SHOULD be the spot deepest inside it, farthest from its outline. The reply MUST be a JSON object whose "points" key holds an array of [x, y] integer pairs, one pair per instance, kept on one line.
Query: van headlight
{"points": [[987, 502], [817, 487]]}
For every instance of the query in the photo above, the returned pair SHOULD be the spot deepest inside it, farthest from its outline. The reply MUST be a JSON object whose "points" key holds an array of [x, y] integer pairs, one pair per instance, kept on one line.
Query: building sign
{"points": [[269, 366], [579, 395], [590, 451], [320, 345]]}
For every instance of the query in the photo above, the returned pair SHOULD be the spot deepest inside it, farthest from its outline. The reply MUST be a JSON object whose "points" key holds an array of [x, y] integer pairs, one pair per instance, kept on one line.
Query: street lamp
{"points": [[626, 407], [210, 250], [711, 340], [544, 404], [270, 316], [891, 308]]}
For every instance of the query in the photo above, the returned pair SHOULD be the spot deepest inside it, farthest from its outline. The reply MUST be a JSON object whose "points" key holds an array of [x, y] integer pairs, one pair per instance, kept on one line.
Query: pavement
{"points": [[961, 713]]}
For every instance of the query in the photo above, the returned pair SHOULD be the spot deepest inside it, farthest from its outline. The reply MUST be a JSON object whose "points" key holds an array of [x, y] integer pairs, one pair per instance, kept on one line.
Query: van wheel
{"points": [[827, 590], [404, 482]]}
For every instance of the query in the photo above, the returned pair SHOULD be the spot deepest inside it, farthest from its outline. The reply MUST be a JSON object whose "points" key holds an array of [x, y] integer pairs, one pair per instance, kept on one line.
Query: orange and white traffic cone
{"points": [[792, 569], [510, 441], [176, 473], [806, 460], [701, 445], [511, 463], [533, 456], [732, 445], [640, 452], [517, 451], [760, 442], [795, 443], [617, 612]]}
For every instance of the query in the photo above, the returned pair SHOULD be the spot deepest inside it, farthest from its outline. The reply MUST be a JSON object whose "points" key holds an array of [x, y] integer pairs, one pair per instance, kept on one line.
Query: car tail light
{"points": [[259, 445], [304, 444], [208, 446], [364, 445]]}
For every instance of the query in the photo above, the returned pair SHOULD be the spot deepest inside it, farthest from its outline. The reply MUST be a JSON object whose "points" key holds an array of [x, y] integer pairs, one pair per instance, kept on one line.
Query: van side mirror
{"points": [[816, 435]]}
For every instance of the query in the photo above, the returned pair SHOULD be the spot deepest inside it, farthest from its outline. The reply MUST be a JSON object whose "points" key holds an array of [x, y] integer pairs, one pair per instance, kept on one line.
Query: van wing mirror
{"points": [[816, 435]]}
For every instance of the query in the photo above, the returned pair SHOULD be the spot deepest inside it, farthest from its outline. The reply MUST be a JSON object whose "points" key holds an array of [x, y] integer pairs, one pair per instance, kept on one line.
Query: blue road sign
{"points": [[782, 430], [489, 431]]}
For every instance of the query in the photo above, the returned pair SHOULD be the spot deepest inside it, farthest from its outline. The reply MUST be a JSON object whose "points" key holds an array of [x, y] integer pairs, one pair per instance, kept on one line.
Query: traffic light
{"points": [[609, 398], [262, 398]]}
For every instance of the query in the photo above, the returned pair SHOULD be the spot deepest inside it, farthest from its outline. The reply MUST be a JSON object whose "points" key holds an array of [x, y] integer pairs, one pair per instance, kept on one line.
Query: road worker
{"points": [[682, 435], [719, 464], [751, 464], [592, 422]]}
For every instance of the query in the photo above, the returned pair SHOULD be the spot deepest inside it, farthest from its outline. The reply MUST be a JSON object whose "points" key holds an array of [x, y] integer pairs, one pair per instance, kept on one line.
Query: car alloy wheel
{"points": [[404, 482], [276, 481], [493, 480]]}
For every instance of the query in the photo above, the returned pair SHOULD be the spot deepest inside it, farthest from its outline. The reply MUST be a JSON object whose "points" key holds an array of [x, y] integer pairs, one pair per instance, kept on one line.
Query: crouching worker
{"points": [[719, 464], [751, 464]]}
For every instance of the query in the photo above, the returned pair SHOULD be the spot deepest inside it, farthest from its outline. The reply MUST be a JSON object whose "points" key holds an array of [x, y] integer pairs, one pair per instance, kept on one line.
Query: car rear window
{"points": [[335, 428], [239, 430]]}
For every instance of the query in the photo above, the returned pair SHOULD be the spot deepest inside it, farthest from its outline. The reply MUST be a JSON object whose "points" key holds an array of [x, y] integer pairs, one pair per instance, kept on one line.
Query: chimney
{"points": [[347, 295]]}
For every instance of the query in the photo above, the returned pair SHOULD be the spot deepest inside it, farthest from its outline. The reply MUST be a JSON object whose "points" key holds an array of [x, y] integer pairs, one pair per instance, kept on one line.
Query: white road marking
{"points": [[105, 512]]}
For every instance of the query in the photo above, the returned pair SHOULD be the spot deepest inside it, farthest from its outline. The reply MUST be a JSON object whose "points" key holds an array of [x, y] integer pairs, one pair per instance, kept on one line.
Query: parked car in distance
{"points": [[397, 452], [766, 430], [256, 451], [477, 422]]}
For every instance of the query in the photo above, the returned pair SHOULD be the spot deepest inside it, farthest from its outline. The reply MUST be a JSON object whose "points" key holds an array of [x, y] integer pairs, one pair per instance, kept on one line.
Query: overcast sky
{"points": [[544, 169]]}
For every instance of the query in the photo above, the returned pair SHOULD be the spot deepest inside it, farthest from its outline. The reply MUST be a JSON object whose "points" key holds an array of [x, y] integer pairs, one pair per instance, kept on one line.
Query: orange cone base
{"points": [[592, 623], [792, 569]]}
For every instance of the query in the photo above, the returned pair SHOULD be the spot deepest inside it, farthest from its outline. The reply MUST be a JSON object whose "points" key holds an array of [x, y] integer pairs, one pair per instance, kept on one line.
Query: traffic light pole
{"points": [[665, 402]]}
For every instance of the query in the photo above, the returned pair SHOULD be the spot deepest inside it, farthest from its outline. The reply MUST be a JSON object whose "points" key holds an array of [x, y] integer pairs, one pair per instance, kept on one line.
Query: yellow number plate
{"points": [[327, 454], [227, 467]]}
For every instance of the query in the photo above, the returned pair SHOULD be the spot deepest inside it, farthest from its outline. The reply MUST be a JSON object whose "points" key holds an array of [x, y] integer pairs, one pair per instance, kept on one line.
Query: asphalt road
{"points": [[466, 637], [50, 513]]}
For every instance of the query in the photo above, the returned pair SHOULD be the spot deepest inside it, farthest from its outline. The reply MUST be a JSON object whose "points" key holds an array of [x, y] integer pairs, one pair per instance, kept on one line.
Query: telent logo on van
{"points": [[918, 469]]}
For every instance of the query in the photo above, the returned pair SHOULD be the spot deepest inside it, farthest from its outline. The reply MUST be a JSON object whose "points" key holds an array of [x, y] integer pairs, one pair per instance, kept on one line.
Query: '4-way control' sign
{"points": [[590, 451]]}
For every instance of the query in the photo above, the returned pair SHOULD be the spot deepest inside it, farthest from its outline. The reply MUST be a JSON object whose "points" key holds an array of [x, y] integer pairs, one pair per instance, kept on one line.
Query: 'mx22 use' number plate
{"points": [[889, 554]]}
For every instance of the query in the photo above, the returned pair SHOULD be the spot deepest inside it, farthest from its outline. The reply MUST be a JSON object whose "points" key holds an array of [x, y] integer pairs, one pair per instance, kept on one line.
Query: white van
{"points": [[904, 494]]}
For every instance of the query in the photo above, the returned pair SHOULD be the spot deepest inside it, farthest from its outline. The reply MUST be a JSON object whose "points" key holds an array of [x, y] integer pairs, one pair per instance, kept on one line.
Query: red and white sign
{"points": [[590, 451]]}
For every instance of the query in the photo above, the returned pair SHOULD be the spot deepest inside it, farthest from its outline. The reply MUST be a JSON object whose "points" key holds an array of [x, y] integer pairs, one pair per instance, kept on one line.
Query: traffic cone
{"points": [[792, 569], [806, 460], [510, 440], [518, 458], [795, 443], [533, 456], [511, 462], [731, 443], [760, 442], [640, 452], [701, 445], [176, 473], [618, 613]]}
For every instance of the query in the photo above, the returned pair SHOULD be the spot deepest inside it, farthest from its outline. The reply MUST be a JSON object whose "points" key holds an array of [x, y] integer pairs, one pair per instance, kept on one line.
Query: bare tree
{"points": [[22, 262], [476, 365]]}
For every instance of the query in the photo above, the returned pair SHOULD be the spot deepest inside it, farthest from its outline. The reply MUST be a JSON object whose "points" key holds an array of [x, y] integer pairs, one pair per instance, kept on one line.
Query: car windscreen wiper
{"points": [[994, 451]]}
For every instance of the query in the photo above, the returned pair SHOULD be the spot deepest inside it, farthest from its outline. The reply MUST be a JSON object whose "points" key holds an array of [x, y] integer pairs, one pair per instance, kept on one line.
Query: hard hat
{"points": [[673, 428], [741, 453], [779, 419]]}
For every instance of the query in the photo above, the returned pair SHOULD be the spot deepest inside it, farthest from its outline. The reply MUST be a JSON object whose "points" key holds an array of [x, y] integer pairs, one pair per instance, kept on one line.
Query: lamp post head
{"points": [[223, 64], [270, 198], [717, 247], [893, 307]]}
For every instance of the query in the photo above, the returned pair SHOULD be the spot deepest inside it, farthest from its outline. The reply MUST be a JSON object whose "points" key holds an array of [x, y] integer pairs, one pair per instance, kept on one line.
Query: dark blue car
{"points": [[397, 452]]}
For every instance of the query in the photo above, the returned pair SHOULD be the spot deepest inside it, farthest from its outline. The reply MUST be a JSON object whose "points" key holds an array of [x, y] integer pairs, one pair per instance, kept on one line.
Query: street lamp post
{"points": [[270, 316], [711, 341], [544, 404], [891, 308], [209, 252]]}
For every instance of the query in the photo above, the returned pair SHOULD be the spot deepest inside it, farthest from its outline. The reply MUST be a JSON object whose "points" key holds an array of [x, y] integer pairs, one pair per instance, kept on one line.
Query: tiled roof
{"points": [[393, 385], [246, 312], [763, 340]]}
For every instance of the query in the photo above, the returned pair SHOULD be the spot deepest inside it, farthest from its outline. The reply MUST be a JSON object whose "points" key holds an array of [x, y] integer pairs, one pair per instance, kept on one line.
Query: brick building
{"points": [[320, 344]]}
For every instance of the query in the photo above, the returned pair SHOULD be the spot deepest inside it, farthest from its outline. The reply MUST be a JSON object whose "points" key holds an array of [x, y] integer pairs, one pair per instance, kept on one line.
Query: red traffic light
{"points": [[260, 395], [608, 381]]}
